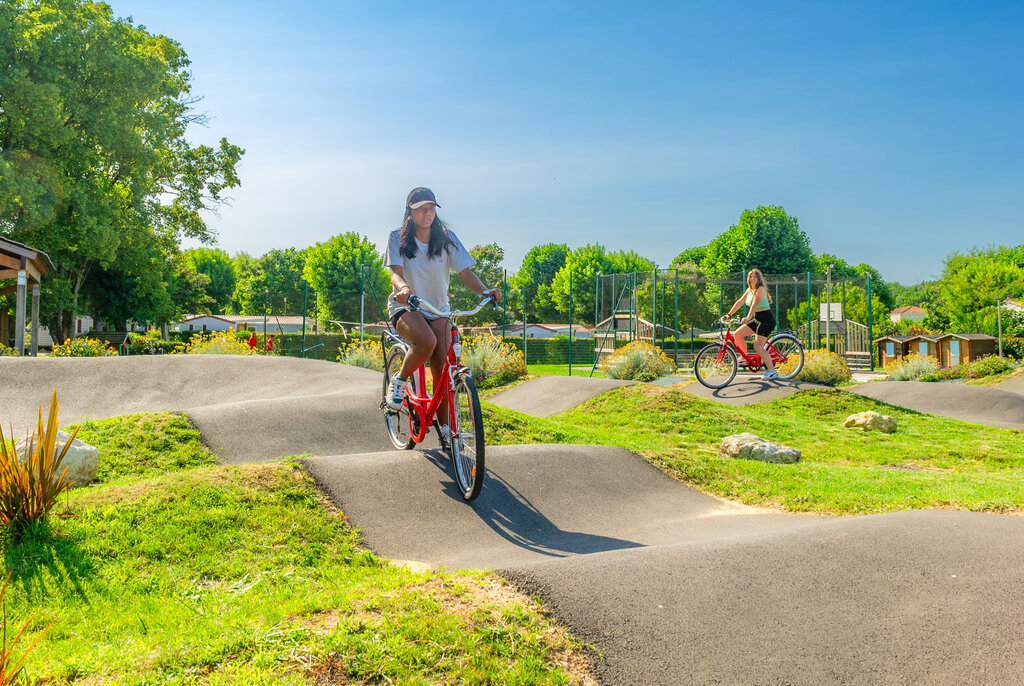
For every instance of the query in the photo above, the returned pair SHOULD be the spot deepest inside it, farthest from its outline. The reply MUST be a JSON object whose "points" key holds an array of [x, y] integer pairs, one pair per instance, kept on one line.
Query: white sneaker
{"points": [[396, 393], [770, 375], [445, 436]]}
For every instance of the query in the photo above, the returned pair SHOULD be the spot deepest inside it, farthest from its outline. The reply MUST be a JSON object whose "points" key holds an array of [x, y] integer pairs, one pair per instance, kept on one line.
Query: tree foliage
{"points": [[971, 285], [535, 278], [219, 268], [488, 267], [765, 238], [94, 165], [334, 270]]}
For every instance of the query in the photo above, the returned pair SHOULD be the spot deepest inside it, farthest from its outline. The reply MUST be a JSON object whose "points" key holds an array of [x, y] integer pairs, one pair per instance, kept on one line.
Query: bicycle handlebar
{"points": [[416, 303]]}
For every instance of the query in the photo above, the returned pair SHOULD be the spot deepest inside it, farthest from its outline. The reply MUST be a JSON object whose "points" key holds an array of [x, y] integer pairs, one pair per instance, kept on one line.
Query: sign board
{"points": [[830, 312], [22, 278]]}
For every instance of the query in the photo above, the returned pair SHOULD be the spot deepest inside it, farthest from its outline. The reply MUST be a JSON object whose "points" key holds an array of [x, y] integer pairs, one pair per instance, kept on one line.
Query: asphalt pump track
{"points": [[670, 586]]}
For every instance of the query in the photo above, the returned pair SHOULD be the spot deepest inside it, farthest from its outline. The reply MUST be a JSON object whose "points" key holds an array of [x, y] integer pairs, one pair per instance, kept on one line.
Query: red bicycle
{"points": [[715, 366], [409, 424]]}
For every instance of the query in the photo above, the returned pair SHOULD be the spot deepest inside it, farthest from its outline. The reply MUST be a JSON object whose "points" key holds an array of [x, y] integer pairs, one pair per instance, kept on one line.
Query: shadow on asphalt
{"points": [[511, 515]]}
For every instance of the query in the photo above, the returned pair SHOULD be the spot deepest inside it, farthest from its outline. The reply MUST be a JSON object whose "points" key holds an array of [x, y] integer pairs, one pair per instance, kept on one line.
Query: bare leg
{"points": [[761, 344], [413, 327], [441, 329]]}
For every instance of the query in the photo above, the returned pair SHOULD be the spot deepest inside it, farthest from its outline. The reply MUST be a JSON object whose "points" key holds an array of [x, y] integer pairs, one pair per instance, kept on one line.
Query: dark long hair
{"points": [[439, 238]]}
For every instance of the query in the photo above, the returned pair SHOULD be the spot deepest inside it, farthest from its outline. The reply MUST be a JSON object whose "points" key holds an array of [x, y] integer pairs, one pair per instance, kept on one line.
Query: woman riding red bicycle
{"points": [[759, 322], [421, 256]]}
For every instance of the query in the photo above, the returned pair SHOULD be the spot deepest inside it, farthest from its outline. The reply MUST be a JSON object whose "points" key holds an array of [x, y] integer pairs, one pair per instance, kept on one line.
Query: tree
{"points": [[692, 257], [535, 277], [218, 267], [765, 238], [488, 267], [96, 169], [334, 270], [580, 271], [971, 285]]}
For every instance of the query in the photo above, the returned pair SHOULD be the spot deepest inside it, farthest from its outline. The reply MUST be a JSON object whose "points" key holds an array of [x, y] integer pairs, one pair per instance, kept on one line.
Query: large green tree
{"points": [[488, 267], [335, 268], [970, 287], [765, 238], [575, 281], [95, 168], [219, 268], [534, 279]]}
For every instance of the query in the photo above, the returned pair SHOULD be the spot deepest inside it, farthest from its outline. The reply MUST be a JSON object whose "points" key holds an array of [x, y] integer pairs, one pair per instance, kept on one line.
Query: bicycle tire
{"points": [[789, 347], [467, 438], [712, 373], [398, 421]]}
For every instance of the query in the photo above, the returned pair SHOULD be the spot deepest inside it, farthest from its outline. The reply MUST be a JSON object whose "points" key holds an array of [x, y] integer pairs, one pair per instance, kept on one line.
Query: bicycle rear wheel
{"points": [[467, 437], [711, 371], [398, 421], [790, 358]]}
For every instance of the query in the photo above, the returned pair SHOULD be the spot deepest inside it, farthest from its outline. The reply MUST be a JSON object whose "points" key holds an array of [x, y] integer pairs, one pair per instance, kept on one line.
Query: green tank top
{"points": [[761, 306]]}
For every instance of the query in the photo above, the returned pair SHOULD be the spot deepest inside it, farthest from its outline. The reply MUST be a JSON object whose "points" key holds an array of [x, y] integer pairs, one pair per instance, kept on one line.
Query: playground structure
{"points": [[678, 311]]}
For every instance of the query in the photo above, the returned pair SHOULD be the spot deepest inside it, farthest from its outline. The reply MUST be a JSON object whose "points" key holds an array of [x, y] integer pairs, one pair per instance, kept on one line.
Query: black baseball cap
{"points": [[418, 197]]}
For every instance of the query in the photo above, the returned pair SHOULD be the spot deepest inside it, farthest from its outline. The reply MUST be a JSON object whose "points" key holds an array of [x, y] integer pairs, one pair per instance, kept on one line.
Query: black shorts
{"points": [[395, 317], [763, 323]]}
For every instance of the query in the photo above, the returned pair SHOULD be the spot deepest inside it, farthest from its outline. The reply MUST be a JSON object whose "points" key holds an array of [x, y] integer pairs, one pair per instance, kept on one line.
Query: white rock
{"points": [[747, 446], [871, 421], [82, 460]]}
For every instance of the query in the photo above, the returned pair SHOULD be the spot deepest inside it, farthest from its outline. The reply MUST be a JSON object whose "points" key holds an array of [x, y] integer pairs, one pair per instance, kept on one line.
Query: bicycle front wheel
{"points": [[788, 355], [715, 367], [467, 437], [398, 421]]}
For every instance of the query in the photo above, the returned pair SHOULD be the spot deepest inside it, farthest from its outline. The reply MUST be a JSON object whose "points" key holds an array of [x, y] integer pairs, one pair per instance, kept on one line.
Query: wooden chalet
{"points": [[25, 266]]}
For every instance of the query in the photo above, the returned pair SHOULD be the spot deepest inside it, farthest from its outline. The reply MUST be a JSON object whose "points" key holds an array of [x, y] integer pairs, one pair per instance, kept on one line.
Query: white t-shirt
{"points": [[427, 277]]}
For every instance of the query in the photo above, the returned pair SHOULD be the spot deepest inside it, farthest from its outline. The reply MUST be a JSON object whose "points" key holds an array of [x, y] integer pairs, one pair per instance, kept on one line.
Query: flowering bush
{"points": [[821, 367], [217, 343], [82, 347], [367, 354], [492, 362], [638, 361], [8, 352], [983, 366], [911, 367]]}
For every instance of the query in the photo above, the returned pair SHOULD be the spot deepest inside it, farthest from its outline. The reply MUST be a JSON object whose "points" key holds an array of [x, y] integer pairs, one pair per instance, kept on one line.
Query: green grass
{"points": [[175, 570], [563, 370], [930, 462]]}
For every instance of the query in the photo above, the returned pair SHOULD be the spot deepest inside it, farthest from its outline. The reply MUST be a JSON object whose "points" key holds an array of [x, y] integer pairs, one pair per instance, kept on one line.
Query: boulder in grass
{"points": [[871, 421], [82, 460], [747, 446]]}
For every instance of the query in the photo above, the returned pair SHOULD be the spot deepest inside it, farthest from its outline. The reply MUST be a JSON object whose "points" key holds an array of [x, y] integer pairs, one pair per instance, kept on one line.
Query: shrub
{"points": [[367, 354], [31, 483], [217, 343], [638, 361], [911, 367], [1014, 348], [492, 362], [8, 352], [82, 347], [983, 366], [821, 367], [151, 343]]}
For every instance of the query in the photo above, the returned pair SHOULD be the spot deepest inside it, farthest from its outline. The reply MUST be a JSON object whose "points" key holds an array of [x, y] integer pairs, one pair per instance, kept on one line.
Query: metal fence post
{"points": [[570, 322], [362, 301], [809, 347], [305, 291], [871, 338]]}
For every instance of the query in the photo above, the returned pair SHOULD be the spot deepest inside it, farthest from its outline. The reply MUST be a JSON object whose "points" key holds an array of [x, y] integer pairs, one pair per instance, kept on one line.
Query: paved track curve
{"points": [[977, 404], [670, 585]]}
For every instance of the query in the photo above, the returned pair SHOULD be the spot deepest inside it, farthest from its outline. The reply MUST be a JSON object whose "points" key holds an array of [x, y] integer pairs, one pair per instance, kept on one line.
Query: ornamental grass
{"points": [[911, 367], [638, 361], [492, 362], [821, 367]]}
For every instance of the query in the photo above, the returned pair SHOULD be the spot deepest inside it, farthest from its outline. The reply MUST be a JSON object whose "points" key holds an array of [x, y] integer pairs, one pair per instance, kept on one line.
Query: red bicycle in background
{"points": [[715, 366], [409, 424]]}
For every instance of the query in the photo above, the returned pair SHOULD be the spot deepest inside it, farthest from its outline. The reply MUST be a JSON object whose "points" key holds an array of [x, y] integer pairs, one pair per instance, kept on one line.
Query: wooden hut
{"points": [[890, 349], [26, 267], [957, 348]]}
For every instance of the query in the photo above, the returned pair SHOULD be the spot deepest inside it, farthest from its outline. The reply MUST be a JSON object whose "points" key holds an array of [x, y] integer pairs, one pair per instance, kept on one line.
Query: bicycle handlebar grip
{"points": [[414, 303]]}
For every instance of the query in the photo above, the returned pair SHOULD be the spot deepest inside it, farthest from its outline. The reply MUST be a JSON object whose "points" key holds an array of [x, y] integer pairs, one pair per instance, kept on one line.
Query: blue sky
{"points": [[891, 130]]}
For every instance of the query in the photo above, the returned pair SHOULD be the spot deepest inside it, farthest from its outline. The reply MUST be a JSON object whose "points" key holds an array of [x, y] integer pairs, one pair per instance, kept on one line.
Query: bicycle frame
{"points": [[425, 406], [753, 363]]}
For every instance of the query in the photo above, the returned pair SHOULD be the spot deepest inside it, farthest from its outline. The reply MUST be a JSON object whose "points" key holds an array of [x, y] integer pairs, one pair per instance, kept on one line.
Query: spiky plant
{"points": [[31, 483], [11, 668]]}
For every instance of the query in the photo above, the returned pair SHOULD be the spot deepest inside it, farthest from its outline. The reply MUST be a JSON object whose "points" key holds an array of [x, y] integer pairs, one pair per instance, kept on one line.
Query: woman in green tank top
{"points": [[759, 320]]}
